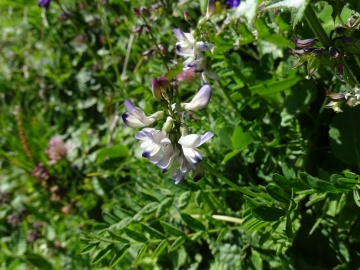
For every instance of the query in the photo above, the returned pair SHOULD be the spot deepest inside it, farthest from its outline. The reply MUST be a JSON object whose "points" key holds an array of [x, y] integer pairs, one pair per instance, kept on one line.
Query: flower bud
{"points": [[211, 8], [168, 126], [159, 87], [304, 43], [184, 130]]}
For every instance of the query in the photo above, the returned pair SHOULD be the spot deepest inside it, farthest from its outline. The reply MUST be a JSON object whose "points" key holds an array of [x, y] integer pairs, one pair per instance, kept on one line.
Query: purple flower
{"points": [[232, 3], [44, 3]]}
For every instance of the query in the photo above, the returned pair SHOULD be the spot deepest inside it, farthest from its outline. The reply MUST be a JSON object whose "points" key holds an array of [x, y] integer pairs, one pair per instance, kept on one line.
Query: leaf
{"points": [[89, 248], [117, 237], [269, 88], [221, 235], [171, 229], [154, 233], [320, 185], [135, 235], [296, 7], [102, 254], [197, 236], [164, 207], [183, 200], [160, 248], [192, 222], [140, 254], [109, 218], [282, 181], [240, 139], [38, 261], [225, 134], [113, 152], [150, 208], [177, 243], [288, 227], [277, 193], [119, 256], [267, 213], [356, 196]]}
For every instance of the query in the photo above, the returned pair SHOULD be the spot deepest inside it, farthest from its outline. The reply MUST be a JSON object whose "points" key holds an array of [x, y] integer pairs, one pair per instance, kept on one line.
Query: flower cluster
{"points": [[172, 148]]}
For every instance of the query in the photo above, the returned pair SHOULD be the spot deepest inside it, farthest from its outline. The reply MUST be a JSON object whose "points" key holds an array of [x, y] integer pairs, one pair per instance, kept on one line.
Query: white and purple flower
{"points": [[136, 118], [44, 3], [200, 100]]}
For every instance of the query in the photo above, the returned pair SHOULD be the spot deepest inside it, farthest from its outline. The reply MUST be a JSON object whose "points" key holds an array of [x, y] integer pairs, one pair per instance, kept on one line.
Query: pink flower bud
{"points": [[159, 87]]}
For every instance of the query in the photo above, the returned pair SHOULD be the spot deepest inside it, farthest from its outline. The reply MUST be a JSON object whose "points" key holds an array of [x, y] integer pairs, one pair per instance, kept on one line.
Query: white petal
{"points": [[190, 141], [200, 100]]}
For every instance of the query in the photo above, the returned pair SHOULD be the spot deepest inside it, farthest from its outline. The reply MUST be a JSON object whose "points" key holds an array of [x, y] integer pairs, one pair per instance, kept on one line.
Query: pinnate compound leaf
{"points": [[119, 256], [135, 235], [296, 7], [267, 213], [192, 222]]}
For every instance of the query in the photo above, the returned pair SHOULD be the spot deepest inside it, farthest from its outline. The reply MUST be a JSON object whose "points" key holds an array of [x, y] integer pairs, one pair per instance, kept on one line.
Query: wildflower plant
{"points": [[250, 107], [172, 148]]}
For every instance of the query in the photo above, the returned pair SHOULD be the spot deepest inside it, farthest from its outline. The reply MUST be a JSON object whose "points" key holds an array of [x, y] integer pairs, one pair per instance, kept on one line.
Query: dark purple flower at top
{"points": [[44, 3], [232, 3]]}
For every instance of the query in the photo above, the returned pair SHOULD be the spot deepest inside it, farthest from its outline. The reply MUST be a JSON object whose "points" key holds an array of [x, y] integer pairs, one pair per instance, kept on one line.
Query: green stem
{"points": [[116, 69], [320, 33], [156, 44], [226, 94], [243, 190]]}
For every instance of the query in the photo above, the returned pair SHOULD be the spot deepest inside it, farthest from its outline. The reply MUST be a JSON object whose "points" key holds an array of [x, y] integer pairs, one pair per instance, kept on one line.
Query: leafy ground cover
{"points": [[179, 134]]}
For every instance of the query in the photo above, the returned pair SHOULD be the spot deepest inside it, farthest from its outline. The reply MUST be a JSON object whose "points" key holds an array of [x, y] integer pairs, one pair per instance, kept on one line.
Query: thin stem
{"points": [[232, 103], [116, 69], [243, 190], [156, 45], [320, 33]]}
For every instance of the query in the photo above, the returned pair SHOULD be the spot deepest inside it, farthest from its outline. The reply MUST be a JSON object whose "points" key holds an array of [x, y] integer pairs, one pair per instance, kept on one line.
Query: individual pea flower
{"points": [[57, 150], [189, 144], [187, 45], [186, 160], [200, 100], [336, 101], [44, 3], [304, 43], [136, 118], [154, 142]]}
